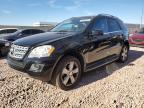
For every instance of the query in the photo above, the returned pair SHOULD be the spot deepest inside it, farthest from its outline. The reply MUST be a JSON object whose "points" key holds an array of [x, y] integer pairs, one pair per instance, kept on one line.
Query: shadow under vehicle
{"points": [[103, 72]]}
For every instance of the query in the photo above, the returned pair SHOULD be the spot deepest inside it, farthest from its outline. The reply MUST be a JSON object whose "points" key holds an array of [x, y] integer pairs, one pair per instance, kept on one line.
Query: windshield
{"points": [[72, 25]]}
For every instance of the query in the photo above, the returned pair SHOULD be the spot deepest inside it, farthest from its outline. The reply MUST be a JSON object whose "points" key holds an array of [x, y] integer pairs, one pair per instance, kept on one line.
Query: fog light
{"points": [[36, 67]]}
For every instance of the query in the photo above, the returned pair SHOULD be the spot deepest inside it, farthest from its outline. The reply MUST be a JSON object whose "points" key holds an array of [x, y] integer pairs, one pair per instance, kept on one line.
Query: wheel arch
{"points": [[127, 44], [73, 53]]}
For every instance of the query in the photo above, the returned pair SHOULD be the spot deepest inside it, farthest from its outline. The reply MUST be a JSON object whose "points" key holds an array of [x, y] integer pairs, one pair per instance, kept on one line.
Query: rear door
{"points": [[116, 36]]}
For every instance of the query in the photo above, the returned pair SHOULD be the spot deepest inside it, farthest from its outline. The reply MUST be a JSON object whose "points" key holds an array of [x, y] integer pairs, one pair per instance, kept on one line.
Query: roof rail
{"points": [[108, 15]]}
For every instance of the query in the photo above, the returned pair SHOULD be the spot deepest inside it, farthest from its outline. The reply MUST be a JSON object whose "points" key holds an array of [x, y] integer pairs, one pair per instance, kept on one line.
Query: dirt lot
{"points": [[124, 88]]}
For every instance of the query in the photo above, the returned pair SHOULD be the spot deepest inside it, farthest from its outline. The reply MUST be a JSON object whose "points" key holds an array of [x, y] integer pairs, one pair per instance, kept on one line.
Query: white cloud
{"points": [[81, 2], [76, 4], [6, 11], [52, 4]]}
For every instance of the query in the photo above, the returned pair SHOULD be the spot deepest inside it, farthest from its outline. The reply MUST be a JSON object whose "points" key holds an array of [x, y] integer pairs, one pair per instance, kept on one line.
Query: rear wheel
{"points": [[124, 54], [68, 73]]}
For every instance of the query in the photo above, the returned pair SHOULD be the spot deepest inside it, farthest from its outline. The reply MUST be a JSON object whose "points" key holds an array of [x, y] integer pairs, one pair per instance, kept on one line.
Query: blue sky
{"points": [[26, 12]]}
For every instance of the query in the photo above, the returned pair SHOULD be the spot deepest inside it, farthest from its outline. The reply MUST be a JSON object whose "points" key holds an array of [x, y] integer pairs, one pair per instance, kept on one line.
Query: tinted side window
{"points": [[36, 31], [113, 25], [3, 31], [11, 30], [100, 24], [26, 32]]}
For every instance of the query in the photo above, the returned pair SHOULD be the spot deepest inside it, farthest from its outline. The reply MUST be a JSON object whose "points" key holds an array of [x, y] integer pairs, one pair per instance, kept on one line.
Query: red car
{"points": [[137, 39]]}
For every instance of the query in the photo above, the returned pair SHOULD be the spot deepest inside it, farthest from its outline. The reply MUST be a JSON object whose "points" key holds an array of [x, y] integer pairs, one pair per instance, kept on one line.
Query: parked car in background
{"points": [[137, 39], [6, 39], [8, 30], [77, 45]]}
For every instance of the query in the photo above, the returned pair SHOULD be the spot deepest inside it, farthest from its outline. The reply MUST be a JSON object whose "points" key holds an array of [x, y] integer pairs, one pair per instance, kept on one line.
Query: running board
{"points": [[97, 66]]}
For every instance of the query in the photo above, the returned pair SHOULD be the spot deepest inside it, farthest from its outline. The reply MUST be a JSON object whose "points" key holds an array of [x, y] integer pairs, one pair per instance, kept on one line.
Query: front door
{"points": [[98, 45]]}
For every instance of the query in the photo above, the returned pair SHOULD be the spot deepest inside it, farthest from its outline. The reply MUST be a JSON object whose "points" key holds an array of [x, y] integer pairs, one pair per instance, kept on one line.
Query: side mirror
{"points": [[97, 33]]}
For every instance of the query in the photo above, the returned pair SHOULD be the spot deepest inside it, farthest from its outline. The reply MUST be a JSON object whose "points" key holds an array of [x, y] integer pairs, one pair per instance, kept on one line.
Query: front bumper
{"points": [[25, 66]]}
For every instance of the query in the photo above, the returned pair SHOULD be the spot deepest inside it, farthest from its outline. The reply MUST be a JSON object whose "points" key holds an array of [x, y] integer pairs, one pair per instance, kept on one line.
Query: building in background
{"points": [[133, 27], [41, 24], [47, 26]]}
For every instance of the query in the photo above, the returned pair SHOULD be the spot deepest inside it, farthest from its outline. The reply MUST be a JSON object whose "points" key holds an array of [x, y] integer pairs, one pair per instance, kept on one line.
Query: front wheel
{"points": [[68, 73], [124, 54]]}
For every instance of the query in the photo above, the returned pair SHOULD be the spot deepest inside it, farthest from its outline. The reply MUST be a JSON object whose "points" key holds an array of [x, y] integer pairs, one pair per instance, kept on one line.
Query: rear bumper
{"points": [[25, 66]]}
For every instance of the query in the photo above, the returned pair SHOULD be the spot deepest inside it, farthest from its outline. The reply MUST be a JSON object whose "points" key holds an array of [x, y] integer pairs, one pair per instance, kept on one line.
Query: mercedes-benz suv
{"points": [[76, 45]]}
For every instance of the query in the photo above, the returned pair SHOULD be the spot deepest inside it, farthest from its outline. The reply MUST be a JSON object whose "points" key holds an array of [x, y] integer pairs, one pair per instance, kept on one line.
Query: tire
{"points": [[67, 73], [124, 54], [1, 54]]}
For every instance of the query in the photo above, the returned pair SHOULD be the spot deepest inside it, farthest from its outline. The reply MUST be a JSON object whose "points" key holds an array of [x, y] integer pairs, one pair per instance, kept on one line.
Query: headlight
{"points": [[41, 51]]}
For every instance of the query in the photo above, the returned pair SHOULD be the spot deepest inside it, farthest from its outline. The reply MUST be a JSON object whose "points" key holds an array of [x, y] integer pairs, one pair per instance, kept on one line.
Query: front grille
{"points": [[138, 40], [18, 52]]}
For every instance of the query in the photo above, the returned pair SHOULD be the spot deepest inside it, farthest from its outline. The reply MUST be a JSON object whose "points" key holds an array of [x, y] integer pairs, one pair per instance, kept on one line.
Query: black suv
{"points": [[76, 45], [6, 39]]}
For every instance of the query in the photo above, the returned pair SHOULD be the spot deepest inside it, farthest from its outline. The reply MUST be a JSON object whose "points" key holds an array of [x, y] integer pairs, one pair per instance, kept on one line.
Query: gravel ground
{"points": [[120, 87]]}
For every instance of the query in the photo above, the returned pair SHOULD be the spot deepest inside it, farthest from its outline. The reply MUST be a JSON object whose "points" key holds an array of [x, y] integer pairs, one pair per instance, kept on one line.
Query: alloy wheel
{"points": [[124, 53], [70, 73]]}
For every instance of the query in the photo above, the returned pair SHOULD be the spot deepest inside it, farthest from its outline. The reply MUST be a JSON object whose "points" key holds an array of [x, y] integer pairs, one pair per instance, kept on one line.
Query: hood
{"points": [[42, 38]]}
